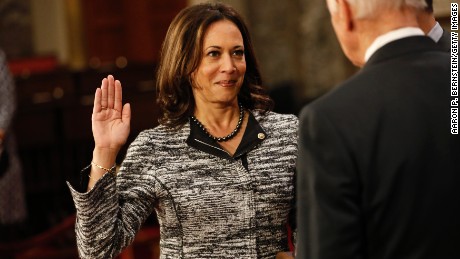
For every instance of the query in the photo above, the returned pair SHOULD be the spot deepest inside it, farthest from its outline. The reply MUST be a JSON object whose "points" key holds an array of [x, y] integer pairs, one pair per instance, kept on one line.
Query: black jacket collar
{"points": [[402, 47], [253, 136]]}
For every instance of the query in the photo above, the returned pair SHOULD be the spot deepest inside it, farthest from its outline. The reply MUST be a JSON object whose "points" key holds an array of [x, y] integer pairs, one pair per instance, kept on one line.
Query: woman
{"points": [[219, 169]]}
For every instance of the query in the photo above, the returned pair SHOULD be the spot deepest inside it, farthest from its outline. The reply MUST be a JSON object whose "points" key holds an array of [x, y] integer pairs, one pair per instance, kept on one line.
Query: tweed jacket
{"points": [[208, 205]]}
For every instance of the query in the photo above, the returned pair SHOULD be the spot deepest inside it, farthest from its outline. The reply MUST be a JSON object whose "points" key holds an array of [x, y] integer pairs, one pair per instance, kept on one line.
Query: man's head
{"points": [[367, 8], [358, 22]]}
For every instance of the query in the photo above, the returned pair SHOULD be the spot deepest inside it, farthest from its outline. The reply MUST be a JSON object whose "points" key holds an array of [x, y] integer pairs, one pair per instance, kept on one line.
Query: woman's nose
{"points": [[228, 64]]}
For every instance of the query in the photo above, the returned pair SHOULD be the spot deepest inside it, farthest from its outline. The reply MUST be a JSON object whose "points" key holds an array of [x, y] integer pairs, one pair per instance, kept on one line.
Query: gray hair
{"points": [[366, 8]]}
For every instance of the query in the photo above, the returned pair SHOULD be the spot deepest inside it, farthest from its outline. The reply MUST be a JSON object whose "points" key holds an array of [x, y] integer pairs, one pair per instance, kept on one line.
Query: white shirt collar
{"points": [[436, 32], [388, 37]]}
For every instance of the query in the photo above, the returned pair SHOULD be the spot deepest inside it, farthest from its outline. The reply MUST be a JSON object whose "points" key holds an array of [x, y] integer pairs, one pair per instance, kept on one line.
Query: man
{"points": [[432, 28], [378, 167]]}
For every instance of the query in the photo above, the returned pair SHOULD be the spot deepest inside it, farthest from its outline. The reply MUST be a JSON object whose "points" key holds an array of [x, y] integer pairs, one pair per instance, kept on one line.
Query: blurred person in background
{"points": [[12, 196]]}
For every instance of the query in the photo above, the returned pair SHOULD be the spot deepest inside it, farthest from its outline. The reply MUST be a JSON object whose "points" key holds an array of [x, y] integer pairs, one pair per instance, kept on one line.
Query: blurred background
{"points": [[58, 52]]}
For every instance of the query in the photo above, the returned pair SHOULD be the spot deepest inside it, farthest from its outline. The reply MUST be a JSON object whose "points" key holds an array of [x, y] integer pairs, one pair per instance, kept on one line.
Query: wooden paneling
{"points": [[131, 29], [53, 120], [103, 26]]}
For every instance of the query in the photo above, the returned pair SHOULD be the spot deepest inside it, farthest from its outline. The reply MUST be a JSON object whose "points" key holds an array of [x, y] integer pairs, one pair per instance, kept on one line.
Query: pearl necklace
{"points": [[229, 136]]}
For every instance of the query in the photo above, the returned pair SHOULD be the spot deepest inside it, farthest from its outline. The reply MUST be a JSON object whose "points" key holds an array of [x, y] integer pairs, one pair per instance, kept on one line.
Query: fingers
{"points": [[110, 92], [109, 96], [118, 96], [97, 101], [104, 94], [126, 113]]}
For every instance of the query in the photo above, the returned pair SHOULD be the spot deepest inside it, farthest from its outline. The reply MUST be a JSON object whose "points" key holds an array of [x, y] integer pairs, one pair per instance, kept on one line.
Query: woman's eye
{"points": [[239, 53], [213, 53]]}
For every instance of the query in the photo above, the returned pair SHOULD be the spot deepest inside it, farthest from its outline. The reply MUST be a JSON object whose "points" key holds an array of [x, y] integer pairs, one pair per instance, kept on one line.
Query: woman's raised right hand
{"points": [[110, 119]]}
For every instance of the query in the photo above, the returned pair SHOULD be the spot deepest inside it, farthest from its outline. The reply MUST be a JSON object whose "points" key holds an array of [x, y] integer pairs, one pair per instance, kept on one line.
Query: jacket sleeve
{"points": [[110, 214], [329, 212]]}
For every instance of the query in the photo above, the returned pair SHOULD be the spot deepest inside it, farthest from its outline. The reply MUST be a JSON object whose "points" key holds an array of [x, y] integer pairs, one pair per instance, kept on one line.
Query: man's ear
{"points": [[346, 14]]}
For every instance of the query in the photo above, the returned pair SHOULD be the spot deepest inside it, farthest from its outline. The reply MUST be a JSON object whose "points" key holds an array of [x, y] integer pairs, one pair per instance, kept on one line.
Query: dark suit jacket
{"points": [[444, 41], [378, 167]]}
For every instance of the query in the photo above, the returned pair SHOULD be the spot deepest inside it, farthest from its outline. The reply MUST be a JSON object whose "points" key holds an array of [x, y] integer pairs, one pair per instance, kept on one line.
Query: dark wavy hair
{"points": [[181, 55]]}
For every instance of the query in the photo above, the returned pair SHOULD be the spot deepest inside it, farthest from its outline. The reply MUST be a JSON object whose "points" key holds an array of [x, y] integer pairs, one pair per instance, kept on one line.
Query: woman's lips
{"points": [[227, 83]]}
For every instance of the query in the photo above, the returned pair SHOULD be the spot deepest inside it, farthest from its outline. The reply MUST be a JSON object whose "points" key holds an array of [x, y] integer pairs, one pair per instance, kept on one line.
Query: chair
{"points": [[57, 242], [146, 244]]}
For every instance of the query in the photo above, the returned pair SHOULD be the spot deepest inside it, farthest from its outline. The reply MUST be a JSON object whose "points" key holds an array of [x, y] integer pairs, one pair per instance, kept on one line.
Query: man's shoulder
{"points": [[405, 50], [387, 78], [445, 41], [343, 95]]}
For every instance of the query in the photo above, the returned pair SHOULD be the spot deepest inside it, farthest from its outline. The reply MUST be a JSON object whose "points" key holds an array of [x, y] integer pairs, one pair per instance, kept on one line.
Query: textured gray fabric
{"points": [[12, 194], [207, 207], [7, 94]]}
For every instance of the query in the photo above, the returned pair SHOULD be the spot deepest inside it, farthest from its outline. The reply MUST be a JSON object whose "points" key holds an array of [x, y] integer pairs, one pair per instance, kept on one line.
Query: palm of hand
{"points": [[109, 130], [110, 119]]}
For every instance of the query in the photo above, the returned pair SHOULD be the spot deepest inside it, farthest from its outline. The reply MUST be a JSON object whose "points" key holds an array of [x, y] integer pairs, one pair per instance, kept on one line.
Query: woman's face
{"points": [[220, 74]]}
